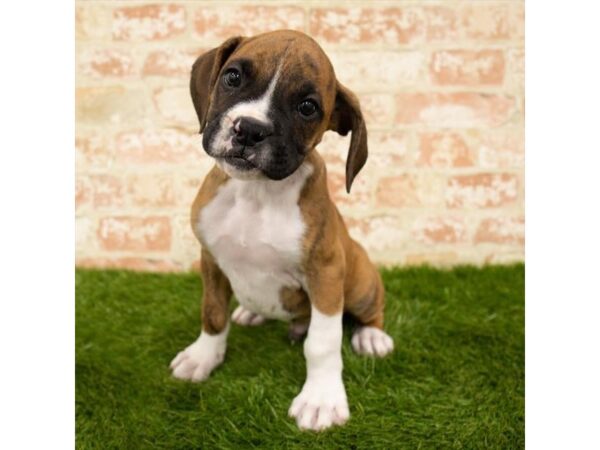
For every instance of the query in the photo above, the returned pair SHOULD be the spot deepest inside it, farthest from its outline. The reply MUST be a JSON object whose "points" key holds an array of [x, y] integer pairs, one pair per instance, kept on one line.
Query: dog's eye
{"points": [[307, 108], [232, 78]]}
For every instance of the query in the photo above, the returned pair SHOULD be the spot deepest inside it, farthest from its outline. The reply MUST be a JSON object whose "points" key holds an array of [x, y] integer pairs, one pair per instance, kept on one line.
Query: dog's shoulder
{"points": [[324, 224], [209, 188]]}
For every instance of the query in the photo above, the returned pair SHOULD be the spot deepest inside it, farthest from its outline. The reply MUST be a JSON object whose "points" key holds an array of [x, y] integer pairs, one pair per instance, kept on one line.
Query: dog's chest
{"points": [[254, 230]]}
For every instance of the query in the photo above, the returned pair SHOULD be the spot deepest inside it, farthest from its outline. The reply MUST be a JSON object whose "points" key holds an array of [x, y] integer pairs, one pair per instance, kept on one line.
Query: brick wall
{"points": [[441, 84]]}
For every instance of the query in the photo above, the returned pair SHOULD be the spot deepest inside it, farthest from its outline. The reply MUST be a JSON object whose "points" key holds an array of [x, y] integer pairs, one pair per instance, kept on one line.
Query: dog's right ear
{"points": [[204, 76]]}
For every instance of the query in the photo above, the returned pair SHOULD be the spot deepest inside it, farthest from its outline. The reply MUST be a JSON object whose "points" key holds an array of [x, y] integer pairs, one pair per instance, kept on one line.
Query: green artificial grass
{"points": [[455, 379]]}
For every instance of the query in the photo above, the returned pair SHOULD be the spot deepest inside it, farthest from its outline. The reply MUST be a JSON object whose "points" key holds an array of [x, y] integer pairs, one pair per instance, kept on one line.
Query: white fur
{"points": [[322, 401], [254, 229], [372, 341], [246, 318], [198, 360], [256, 108]]}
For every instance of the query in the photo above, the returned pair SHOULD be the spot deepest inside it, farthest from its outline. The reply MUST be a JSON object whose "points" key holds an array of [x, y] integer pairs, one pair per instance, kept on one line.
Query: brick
{"points": [[378, 233], [501, 150], [151, 190], [409, 190], [101, 63], [442, 23], [110, 191], [92, 21], [467, 67], [162, 146], [475, 21], [334, 148], [516, 70], [110, 105], [187, 185], [438, 259], [460, 109], [84, 234], [377, 109], [443, 150], [148, 22], [185, 244], [485, 21], [516, 20], [92, 151], [483, 190], [222, 22], [135, 233], [387, 150], [378, 71], [83, 193], [359, 196], [367, 25], [501, 230], [195, 266], [174, 104], [504, 257], [107, 191], [439, 230], [170, 63], [130, 263]]}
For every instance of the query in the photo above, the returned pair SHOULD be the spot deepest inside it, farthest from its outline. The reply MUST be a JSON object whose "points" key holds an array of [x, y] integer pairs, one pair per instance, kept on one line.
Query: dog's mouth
{"points": [[238, 162]]}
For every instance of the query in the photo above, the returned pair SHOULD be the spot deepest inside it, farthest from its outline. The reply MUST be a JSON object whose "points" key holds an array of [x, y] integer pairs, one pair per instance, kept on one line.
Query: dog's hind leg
{"points": [[365, 300]]}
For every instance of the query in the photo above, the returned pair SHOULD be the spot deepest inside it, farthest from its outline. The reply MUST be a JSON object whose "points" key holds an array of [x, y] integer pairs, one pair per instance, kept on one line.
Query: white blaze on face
{"points": [[257, 109]]}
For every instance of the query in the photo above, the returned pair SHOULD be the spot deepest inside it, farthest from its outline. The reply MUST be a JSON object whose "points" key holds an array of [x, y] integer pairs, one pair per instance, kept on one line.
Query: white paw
{"points": [[372, 341], [198, 360], [244, 317], [320, 405]]}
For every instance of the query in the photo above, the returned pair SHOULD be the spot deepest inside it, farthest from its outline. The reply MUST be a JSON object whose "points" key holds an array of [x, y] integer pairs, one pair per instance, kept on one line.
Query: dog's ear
{"points": [[204, 76], [346, 117]]}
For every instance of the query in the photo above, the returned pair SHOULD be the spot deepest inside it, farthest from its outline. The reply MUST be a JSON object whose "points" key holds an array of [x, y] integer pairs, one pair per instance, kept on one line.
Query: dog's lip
{"points": [[239, 162]]}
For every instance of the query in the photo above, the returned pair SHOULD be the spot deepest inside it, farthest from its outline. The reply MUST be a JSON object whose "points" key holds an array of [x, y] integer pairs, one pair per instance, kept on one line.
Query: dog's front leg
{"points": [[199, 359], [322, 401]]}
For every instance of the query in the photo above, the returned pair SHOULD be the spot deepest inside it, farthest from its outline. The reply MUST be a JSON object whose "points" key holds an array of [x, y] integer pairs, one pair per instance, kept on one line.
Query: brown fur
{"points": [[217, 292], [338, 272]]}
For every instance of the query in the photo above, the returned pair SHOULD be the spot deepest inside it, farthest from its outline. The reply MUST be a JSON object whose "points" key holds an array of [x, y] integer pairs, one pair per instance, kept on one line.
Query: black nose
{"points": [[249, 131]]}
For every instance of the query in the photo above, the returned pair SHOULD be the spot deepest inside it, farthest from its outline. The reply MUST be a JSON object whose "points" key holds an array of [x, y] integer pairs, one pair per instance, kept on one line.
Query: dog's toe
{"points": [[195, 363], [372, 341], [320, 405], [244, 317]]}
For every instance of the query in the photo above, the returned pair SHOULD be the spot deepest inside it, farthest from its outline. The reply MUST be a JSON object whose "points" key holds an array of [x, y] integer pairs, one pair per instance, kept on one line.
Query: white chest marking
{"points": [[254, 229]]}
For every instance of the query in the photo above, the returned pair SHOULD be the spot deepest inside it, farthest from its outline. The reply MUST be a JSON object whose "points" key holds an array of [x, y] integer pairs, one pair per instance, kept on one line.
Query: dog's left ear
{"points": [[346, 117], [204, 76]]}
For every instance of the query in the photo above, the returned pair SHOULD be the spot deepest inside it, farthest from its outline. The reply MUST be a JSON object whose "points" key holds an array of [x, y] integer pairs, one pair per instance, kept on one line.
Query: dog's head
{"points": [[264, 102]]}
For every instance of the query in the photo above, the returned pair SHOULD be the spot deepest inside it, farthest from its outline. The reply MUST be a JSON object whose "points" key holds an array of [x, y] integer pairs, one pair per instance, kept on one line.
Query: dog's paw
{"points": [[244, 317], [198, 360], [320, 405], [372, 341]]}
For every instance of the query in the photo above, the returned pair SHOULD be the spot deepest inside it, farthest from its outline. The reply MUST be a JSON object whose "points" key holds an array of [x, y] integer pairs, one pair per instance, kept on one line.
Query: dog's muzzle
{"points": [[249, 131], [247, 134]]}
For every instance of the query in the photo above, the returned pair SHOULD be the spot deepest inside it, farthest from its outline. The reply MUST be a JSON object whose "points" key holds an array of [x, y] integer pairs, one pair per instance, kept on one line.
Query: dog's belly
{"points": [[254, 230], [257, 274]]}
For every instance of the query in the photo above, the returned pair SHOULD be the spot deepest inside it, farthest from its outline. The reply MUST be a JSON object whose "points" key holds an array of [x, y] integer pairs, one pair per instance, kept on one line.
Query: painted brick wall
{"points": [[441, 84]]}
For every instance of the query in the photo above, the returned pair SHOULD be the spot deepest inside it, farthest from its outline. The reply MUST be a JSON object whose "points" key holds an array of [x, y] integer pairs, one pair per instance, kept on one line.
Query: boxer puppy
{"points": [[269, 231]]}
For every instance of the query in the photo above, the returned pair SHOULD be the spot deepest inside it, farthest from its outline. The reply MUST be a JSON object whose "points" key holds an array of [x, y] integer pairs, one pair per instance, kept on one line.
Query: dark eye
{"points": [[232, 78], [307, 108]]}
